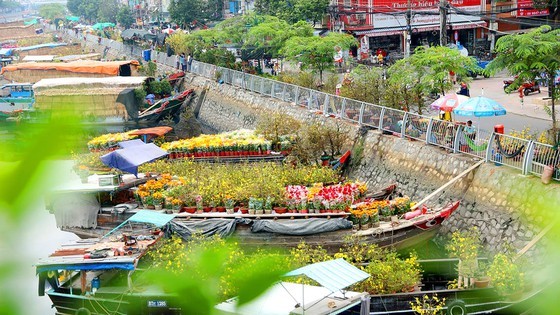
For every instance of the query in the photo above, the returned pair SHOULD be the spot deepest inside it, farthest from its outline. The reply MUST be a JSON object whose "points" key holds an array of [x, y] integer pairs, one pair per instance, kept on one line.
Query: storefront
{"points": [[389, 29]]}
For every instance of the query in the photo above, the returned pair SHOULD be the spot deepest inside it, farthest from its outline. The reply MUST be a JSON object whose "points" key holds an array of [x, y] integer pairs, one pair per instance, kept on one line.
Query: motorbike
{"points": [[526, 87]]}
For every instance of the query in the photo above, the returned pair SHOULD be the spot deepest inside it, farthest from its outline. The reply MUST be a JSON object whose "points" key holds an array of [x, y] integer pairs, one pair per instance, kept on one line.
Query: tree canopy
{"points": [[295, 10], [435, 64], [531, 55], [271, 35], [317, 53], [124, 17], [190, 12], [52, 11]]}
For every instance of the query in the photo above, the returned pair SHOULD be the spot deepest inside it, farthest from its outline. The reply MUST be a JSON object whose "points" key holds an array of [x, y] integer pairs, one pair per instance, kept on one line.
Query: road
{"points": [[519, 115]]}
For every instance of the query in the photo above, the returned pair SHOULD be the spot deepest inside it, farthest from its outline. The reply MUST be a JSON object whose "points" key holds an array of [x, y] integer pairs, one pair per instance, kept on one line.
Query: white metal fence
{"points": [[528, 156]]}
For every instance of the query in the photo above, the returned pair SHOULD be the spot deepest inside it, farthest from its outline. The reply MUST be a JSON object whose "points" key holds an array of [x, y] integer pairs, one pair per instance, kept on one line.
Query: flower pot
{"points": [[251, 211], [207, 209], [268, 211], [303, 211], [259, 212], [188, 209], [482, 282], [243, 210], [158, 206], [220, 209], [151, 207], [280, 210], [230, 211]]}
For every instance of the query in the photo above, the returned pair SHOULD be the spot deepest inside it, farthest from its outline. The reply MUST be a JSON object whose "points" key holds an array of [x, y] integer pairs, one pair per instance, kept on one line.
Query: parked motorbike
{"points": [[526, 87]]}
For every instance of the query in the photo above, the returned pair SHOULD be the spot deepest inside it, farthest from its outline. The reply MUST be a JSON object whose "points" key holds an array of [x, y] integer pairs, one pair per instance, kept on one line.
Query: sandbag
{"points": [[547, 173]]}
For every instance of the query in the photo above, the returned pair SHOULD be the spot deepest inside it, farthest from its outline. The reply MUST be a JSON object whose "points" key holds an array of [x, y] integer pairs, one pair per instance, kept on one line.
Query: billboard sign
{"points": [[394, 12], [525, 9]]}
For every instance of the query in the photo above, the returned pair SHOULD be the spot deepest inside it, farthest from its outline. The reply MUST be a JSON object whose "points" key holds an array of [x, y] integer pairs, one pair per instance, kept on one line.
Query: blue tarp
{"points": [[129, 158], [6, 51], [146, 216], [130, 143], [155, 218], [48, 45], [91, 266], [334, 275]]}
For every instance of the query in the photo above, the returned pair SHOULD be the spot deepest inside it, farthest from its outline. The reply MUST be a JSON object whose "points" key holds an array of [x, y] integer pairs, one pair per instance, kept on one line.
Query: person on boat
{"points": [[150, 98]]}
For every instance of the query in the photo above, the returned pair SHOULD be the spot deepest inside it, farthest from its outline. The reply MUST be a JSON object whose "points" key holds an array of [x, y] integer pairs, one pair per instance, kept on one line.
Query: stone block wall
{"points": [[507, 207]]}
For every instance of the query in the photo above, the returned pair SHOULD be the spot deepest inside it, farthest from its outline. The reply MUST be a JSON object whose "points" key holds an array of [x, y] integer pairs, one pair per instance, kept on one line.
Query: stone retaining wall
{"points": [[508, 208]]}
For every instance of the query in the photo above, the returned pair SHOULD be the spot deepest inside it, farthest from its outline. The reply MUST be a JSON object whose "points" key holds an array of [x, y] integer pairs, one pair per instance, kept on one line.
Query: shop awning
{"points": [[467, 25], [387, 31]]}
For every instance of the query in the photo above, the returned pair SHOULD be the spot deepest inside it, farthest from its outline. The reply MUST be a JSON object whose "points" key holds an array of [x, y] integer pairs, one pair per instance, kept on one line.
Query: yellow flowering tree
{"points": [[428, 305], [465, 246]]}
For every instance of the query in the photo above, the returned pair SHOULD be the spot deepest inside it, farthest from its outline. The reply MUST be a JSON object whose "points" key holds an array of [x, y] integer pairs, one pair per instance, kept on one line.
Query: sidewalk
{"points": [[532, 105]]}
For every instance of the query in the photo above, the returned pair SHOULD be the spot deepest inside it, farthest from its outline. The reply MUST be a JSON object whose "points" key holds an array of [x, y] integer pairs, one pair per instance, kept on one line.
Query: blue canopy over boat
{"points": [[133, 154], [334, 275]]}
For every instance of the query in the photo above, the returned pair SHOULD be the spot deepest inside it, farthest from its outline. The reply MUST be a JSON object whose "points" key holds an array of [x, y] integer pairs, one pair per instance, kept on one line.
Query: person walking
{"points": [[182, 62], [189, 62]]}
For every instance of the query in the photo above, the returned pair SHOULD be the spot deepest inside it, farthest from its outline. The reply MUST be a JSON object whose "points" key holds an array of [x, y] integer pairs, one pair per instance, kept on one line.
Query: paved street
{"points": [[529, 114]]}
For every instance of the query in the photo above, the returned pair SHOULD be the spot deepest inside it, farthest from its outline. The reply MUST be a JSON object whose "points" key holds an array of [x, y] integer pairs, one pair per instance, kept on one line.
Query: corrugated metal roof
{"points": [[334, 275]]}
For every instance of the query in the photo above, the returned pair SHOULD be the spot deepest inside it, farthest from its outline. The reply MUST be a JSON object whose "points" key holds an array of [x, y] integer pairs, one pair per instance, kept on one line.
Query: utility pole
{"points": [[408, 29], [443, 22], [492, 24]]}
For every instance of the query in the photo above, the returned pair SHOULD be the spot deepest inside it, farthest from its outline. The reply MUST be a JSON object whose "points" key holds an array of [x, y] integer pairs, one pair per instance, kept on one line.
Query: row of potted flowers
{"points": [[366, 214], [219, 144], [109, 141], [249, 150], [171, 192]]}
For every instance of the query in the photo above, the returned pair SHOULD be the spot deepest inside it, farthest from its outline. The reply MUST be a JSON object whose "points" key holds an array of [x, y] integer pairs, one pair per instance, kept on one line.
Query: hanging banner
{"points": [[525, 9], [364, 47], [398, 20]]}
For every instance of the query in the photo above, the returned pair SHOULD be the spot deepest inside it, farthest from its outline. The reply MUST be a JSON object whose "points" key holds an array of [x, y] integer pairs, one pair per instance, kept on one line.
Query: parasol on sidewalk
{"points": [[448, 102], [479, 106]]}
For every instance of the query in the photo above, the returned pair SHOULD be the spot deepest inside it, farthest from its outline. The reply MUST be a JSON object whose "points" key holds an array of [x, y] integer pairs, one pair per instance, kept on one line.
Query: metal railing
{"points": [[528, 156]]}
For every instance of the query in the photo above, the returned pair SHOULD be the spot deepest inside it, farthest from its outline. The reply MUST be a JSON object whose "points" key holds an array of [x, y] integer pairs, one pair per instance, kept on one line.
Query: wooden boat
{"points": [[165, 107], [289, 229], [15, 98], [94, 276], [437, 273]]}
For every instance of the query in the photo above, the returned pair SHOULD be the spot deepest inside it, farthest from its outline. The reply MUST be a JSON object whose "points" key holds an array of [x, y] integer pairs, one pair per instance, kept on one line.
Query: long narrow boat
{"points": [[289, 229], [95, 276], [436, 276], [327, 231], [164, 107]]}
